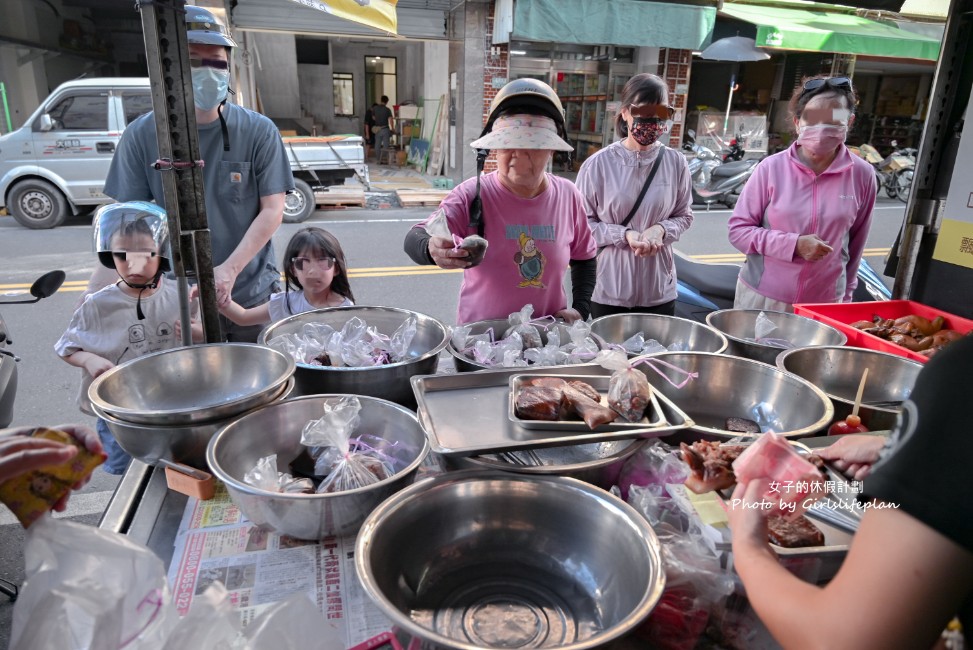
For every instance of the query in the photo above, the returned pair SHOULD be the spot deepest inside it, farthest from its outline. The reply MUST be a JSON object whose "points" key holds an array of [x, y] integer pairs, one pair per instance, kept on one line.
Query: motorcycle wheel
{"points": [[890, 189], [903, 184]]}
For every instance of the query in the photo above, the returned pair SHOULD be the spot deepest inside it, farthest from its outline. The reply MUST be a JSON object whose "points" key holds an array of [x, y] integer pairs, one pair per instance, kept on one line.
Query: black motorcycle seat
{"points": [[709, 279], [733, 168]]}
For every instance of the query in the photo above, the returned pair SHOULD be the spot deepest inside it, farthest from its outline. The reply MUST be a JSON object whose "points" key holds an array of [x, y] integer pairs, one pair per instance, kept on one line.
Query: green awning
{"points": [[825, 31], [617, 22]]}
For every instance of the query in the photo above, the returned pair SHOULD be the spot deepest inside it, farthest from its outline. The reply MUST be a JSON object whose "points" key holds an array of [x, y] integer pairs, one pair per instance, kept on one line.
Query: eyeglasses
{"points": [[216, 64], [841, 83], [651, 111], [324, 264]]}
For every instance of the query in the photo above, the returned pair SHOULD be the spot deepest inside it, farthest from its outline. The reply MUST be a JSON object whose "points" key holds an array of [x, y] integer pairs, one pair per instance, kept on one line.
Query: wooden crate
{"points": [[340, 197], [418, 198]]}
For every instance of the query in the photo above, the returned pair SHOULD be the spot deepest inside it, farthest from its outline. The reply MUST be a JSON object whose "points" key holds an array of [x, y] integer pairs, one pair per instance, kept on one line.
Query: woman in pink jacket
{"points": [[803, 218]]}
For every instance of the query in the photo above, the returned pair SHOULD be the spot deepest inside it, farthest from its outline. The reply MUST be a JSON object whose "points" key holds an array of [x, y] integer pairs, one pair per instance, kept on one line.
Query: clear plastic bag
{"points": [[266, 476], [550, 354], [582, 348], [345, 462], [520, 323], [629, 392], [762, 330], [401, 340]]}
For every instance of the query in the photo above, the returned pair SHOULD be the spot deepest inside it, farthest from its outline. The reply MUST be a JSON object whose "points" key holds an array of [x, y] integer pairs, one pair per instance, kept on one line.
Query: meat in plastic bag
{"points": [[344, 460], [629, 392], [582, 348], [520, 323], [438, 226], [550, 354]]}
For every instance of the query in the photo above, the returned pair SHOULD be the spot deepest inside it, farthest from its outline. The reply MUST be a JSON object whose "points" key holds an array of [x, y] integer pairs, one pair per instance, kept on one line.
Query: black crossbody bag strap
{"points": [[645, 188]]}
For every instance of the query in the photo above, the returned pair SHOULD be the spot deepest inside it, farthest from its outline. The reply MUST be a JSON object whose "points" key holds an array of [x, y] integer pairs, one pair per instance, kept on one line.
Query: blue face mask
{"points": [[209, 87]]}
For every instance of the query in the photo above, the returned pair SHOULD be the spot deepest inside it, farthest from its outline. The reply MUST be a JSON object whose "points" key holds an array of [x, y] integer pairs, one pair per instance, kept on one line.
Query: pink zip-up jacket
{"points": [[783, 200]]}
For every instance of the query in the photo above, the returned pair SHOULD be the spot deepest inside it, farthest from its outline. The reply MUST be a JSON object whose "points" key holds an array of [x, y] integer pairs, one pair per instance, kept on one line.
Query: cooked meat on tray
{"points": [[553, 398], [591, 411], [742, 425], [793, 533], [710, 465], [538, 403]]}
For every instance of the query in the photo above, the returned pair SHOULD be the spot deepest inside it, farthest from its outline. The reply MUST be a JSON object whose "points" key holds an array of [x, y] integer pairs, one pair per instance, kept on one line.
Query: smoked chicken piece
{"points": [[587, 389], [538, 403], [923, 326], [793, 533], [710, 465], [742, 425], [548, 382], [593, 413], [477, 247]]}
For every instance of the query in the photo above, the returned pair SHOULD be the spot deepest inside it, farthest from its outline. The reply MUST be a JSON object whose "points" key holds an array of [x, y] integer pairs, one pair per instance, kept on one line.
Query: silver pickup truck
{"points": [[56, 164]]}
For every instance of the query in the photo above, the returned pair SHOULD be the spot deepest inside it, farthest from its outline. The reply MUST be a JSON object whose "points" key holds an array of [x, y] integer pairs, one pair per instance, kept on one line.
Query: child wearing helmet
{"points": [[137, 315]]}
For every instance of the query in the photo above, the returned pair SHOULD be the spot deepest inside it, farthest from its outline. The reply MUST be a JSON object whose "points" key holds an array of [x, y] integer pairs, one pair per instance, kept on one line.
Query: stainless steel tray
{"points": [[466, 414], [600, 383]]}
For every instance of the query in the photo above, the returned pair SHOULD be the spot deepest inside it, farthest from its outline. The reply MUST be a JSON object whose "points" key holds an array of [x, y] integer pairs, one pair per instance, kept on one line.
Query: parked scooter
{"points": [[45, 286], [705, 287], [734, 151], [714, 181]]}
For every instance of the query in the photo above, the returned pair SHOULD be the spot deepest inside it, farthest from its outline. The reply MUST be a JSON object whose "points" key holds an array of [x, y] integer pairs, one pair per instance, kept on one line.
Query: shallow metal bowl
{"points": [[597, 463], [729, 386], [838, 371], [479, 559], [677, 334], [464, 363], [738, 326], [276, 429], [390, 381], [182, 443], [190, 385]]}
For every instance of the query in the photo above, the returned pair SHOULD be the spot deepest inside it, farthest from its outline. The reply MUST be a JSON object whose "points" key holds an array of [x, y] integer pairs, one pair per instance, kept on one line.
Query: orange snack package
{"points": [[32, 494]]}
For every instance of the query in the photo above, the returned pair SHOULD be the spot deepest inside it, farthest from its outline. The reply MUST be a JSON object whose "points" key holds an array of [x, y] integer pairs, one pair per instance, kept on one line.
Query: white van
{"points": [[56, 164]]}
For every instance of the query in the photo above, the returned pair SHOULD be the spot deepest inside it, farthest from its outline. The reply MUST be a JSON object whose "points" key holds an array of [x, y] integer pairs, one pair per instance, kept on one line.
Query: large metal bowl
{"points": [[276, 429], [729, 386], [192, 385], [464, 363], [677, 334], [182, 443], [478, 559], [597, 463], [390, 381], [738, 326], [838, 371]]}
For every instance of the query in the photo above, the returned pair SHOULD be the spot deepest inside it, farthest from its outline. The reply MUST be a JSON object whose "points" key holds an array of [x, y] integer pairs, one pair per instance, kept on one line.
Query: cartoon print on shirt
{"points": [[530, 262], [164, 330], [136, 333]]}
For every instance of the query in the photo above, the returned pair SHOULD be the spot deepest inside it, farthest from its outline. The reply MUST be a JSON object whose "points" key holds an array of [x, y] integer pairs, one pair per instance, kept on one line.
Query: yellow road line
{"points": [[396, 271]]}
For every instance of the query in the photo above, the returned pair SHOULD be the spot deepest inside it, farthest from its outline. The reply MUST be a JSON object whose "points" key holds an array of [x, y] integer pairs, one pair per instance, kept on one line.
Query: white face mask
{"points": [[209, 87]]}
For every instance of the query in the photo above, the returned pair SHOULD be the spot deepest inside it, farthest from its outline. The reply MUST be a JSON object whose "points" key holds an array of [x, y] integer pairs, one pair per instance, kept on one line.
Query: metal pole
{"points": [[729, 102], [6, 108], [167, 57]]}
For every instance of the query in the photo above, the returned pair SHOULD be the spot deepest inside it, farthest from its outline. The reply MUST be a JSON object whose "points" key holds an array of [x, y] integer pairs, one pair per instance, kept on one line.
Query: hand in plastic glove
{"points": [[568, 315], [853, 454], [224, 277], [653, 238], [20, 453], [748, 516], [639, 247], [445, 256], [812, 248]]}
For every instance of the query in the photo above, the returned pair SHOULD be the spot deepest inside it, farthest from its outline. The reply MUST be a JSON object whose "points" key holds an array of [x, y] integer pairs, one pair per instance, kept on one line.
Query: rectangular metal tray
{"points": [[598, 382], [466, 414]]}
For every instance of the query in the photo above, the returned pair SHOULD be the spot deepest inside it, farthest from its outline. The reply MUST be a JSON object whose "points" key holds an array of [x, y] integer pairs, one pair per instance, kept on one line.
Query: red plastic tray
{"points": [[841, 315]]}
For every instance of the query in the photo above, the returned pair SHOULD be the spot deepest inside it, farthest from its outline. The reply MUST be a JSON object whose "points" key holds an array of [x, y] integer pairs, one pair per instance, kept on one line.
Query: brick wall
{"points": [[496, 66]]}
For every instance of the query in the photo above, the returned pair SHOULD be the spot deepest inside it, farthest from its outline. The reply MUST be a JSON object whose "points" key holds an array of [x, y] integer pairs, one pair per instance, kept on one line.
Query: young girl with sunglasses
{"points": [[803, 217], [636, 229], [315, 276]]}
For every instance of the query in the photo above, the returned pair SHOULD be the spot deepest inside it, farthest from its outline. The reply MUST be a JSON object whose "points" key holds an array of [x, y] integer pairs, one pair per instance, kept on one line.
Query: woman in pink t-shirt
{"points": [[534, 221]]}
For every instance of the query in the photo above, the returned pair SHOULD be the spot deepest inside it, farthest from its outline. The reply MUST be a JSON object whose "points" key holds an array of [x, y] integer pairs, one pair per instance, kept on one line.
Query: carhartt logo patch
{"points": [[236, 177]]}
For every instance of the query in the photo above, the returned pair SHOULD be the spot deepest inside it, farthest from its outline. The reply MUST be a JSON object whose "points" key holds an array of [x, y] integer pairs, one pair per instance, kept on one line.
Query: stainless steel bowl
{"points": [[597, 463], [738, 326], [464, 363], [276, 429], [838, 371], [390, 381], [191, 385], [182, 443], [729, 386], [678, 334], [478, 559]]}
